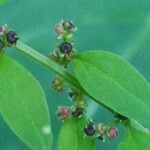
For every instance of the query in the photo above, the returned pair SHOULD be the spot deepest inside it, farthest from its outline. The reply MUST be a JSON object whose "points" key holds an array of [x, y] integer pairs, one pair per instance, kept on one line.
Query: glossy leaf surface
{"points": [[115, 83]]}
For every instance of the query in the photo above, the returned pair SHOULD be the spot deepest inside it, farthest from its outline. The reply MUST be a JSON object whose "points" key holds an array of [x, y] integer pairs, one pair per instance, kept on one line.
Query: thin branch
{"points": [[50, 64]]}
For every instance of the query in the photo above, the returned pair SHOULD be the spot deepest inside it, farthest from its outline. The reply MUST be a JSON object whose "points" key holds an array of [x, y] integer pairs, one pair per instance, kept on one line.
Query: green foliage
{"points": [[3, 1], [23, 104], [135, 140], [72, 136], [115, 83]]}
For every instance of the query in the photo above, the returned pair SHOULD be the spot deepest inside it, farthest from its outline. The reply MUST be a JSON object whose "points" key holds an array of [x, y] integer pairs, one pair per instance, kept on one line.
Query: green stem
{"points": [[50, 64]]}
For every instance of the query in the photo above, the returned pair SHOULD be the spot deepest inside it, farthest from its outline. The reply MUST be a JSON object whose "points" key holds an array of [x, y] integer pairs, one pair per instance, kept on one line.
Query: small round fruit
{"points": [[12, 37], [65, 47], [78, 112], [89, 129]]}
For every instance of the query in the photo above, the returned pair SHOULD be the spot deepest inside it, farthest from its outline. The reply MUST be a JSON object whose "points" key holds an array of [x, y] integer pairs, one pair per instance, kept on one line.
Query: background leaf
{"points": [[115, 83], [23, 104], [135, 140], [72, 136]]}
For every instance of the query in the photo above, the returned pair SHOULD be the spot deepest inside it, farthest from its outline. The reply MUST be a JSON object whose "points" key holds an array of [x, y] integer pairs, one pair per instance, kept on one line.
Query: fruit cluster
{"points": [[63, 55], [100, 131], [66, 112], [64, 52]]}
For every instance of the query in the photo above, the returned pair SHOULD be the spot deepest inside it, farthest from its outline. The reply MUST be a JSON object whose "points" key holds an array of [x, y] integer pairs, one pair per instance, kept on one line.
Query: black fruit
{"points": [[78, 112], [65, 47], [89, 129], [12, 37]]}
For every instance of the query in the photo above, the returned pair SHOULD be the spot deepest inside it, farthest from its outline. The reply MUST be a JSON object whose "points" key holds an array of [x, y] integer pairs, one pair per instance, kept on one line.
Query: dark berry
{"points": [[1, 45], [12, 37], [78, 112], [89, 129], [68, 25], [65, 47]]}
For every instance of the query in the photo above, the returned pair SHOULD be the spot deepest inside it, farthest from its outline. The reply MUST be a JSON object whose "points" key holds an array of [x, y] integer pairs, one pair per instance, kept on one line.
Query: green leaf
{"points": [[23, 104], [3, 1], [71, 136], [112, 81], [135, 140]]}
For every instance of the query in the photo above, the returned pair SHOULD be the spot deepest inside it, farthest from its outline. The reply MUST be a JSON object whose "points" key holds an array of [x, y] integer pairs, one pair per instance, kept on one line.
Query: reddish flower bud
{"points": [[112, 132], [59, 29], [89, 129], [63, 112]]}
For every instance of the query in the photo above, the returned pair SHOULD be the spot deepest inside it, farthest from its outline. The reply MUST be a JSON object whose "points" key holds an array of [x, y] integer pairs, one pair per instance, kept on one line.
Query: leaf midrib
{"points": [[128, 91]]}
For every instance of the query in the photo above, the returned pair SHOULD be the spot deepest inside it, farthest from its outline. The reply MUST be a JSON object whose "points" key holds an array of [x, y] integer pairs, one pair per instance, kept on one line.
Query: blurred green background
{"points": [[122, 27]]}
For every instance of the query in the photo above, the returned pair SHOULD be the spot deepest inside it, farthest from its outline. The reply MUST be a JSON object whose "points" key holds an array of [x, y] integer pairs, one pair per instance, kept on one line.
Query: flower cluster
{"points": [[63, 55], [8, 38], [100, 131], [64, 52], [67, 112]]}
